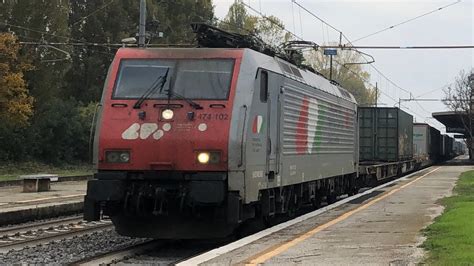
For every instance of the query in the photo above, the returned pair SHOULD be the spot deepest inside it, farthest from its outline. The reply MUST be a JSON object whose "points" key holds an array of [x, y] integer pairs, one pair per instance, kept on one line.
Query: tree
{"points": [[460, 100], [5, 13], [269, 29], [16, 105], [350, 76], [66, 81], [175, 18], [238, 20], [43, 22], [112, 23]]}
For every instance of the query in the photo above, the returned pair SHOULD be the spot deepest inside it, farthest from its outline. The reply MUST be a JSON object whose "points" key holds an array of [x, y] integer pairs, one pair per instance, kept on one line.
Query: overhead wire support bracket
{"points": [[360, 63], [46, 45], [300, 45]]}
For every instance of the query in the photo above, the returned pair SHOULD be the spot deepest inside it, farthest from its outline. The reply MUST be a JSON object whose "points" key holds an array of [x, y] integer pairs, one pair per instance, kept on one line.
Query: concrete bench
{"points": [[37, 183]]}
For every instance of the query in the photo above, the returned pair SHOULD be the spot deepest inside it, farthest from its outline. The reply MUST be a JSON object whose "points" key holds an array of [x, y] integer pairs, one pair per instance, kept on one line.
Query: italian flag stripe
{"points": [[309, 127], [313, 121], [302, 128]]}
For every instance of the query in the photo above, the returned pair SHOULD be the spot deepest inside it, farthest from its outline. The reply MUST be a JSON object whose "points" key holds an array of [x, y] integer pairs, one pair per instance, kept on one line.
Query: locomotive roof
{"points": [[302, 75], [273, 64]]}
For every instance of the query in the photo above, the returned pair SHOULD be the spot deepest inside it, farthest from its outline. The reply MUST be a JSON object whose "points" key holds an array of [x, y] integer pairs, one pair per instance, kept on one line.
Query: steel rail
{"points": [[14, 229], [33, 237], [121, 254]]}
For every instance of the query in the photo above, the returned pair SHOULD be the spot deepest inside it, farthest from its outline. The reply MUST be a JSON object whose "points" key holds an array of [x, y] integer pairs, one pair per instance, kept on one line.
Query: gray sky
{"points": [[416, 71]]}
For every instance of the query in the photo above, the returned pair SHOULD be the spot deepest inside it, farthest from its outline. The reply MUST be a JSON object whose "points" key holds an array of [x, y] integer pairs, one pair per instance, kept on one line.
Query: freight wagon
{"points": [[385, 142], [425, 144], [435, 154], [447, 150]]}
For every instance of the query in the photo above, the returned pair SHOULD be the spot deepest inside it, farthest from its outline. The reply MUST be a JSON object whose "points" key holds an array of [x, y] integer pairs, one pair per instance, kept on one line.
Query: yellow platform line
{"points": [[50, 198], [285, 246]]}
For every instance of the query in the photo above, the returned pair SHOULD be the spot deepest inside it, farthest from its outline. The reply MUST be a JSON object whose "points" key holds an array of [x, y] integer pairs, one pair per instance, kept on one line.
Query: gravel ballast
{"points": [[70, 250]]}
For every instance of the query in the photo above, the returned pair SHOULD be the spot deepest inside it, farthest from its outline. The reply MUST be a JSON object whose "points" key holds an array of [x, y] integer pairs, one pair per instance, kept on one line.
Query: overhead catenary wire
{"points": [[329, 25], [431, 91], [362, 54], [393, 47], [351, 45], [301, 22], [326, 23], [272, 21], [109, 45], [34, 30], [94, 12], [380, 91], [293, 15], [406, 21], [316, 16], [45, 33]]}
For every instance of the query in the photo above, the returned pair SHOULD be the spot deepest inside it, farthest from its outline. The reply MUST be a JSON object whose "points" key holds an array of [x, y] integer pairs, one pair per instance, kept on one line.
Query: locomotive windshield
{"points": [[207, 79]]}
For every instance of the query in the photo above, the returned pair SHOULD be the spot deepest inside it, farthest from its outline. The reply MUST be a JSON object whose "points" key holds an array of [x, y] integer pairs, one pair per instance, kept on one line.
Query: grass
{"points": [[450, 239], [12, 171]]}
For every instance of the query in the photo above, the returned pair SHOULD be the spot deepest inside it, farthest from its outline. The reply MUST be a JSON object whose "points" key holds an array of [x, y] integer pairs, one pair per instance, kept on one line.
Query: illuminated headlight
{"points": [[117, 156], [203, 157], [209, 157], [167, 114]]}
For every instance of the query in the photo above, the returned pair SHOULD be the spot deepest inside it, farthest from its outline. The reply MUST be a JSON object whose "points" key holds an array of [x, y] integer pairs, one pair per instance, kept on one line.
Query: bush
{"points": [[58, 134]]}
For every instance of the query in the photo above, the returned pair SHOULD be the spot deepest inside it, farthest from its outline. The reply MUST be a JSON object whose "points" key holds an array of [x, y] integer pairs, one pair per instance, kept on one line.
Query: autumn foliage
{"points": [[16, 105]]}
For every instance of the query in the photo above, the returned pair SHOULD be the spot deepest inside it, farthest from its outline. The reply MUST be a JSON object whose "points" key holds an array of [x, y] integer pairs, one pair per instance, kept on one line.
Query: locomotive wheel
{"points": [[331, 198], [316, 203]]}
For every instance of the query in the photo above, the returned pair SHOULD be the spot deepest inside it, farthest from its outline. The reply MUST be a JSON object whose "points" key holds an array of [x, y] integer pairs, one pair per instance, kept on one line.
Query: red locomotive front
{"points": [[162, 139], [166, 109]]}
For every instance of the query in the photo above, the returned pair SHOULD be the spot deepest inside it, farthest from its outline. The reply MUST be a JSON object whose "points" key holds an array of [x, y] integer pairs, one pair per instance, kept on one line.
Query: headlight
{"points": [[167, 114], [124, 157], [117, 156], [203, 157], [112, 157], [213, 157]]}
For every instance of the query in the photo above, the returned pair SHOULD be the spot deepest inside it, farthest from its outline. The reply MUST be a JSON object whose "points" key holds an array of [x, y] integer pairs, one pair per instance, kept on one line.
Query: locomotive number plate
{"points": [[213, 116]]}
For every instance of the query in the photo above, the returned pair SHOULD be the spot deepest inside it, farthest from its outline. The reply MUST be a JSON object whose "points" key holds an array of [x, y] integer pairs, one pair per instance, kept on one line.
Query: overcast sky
{"points": [[423, 72]]}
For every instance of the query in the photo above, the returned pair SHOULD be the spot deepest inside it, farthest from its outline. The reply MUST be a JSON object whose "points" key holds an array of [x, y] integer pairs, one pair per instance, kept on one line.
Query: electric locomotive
{"points": [[192, 142]]}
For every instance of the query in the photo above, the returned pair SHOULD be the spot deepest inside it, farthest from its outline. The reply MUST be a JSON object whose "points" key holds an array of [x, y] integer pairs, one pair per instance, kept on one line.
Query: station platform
{"points": [[381, 228], [64, 198]]}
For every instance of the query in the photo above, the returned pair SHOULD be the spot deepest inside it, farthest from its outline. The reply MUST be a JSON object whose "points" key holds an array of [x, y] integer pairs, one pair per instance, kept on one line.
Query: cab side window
{"points": [[263, 86]]}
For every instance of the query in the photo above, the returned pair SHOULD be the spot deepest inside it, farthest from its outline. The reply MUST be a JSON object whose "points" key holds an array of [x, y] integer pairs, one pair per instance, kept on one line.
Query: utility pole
{"points": [[471, 86], [330, 67], [376, 93], [142, 26]]}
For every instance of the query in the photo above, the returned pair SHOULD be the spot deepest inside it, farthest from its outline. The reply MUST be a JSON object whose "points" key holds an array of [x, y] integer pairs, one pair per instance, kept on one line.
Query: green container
{"points": [[385, 134]]}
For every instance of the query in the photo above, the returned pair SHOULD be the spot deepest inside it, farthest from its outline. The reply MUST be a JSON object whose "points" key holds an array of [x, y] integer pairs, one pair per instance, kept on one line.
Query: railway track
{"points": [[156, 252], [19, 237], [120, 255]]}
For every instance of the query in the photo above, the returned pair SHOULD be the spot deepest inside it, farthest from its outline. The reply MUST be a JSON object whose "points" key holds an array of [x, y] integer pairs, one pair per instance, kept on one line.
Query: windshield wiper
{"points": [[172, 93], [156, 85], [193, 104]]}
